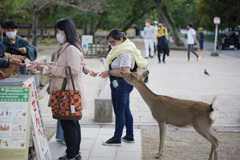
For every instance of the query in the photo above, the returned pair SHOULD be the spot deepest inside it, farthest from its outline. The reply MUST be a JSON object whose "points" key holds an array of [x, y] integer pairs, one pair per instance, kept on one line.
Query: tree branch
{"points": [[137, 17], [92, 6], [45, 5]]}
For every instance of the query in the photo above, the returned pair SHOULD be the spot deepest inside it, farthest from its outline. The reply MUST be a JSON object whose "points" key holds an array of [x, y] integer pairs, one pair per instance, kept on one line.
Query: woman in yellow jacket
{"points": [[162, 43]]}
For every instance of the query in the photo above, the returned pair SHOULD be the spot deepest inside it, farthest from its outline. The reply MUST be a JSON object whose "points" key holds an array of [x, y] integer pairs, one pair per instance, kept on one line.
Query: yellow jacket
{"points": [[162, 30], [126, 46]]}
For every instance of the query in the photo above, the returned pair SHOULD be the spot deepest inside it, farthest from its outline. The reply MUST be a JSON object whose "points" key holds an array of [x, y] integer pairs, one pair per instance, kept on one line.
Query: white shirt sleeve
{"points": [[153, 33], [193, 32], [126, 59], [144, 32]]}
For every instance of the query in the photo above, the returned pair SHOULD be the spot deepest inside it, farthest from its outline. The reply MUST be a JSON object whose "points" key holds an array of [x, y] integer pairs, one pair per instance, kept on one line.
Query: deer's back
{"points": [[178, 112]]}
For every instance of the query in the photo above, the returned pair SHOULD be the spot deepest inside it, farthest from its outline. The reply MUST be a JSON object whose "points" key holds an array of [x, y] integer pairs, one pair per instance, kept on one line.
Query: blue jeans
{"points": [[190, 48], [120, 101], [201, 44], [59, 132]]}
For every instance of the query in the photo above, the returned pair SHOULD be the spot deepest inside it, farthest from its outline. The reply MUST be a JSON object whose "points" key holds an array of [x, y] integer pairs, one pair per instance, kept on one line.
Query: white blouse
{"points": [[125, 59]]}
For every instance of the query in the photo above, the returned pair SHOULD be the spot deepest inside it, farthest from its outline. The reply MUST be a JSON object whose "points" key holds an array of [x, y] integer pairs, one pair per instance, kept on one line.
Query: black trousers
{"points": [[72, 136], [159, 56]]}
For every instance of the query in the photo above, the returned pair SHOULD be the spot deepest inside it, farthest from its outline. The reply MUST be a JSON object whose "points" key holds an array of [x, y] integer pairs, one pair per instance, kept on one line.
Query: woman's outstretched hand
{"points": [[31, 65], [49, 72], [92, 73], [2, 76], [103, 74], [102, 59]]}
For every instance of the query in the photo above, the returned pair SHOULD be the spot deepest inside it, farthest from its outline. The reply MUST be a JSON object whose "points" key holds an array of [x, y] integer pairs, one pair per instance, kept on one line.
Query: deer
{"points": [[178, 112]]}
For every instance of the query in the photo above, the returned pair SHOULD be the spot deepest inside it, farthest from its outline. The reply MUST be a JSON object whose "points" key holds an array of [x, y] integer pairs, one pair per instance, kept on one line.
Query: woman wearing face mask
{"points": [[149, 36], [162, 43], [69, 53], [123, 57]]}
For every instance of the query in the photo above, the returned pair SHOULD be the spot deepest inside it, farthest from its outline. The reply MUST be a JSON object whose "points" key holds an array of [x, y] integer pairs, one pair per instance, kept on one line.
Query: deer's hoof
{"points": [[157, 156]]}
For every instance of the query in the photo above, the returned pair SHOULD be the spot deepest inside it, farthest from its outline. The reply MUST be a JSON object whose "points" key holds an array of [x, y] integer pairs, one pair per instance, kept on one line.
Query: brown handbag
{"points": [[67, 104]]}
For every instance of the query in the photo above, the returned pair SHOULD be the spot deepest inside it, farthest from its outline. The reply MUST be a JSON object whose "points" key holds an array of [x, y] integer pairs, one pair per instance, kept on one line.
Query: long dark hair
{"points": [[68, 26], [116, 34]]}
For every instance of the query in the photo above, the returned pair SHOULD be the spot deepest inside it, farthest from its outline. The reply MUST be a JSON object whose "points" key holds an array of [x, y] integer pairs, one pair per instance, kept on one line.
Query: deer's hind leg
{"points": [[204, 129], [162, 132]]}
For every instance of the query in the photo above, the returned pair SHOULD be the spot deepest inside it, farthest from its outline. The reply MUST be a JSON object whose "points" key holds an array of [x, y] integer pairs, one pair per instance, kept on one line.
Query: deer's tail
{"points": [[213, 109]]}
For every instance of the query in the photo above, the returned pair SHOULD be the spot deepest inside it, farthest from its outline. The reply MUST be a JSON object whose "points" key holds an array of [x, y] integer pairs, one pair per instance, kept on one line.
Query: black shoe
{"points": [[112, 142], [78, 156], [65, 158], [41, 84], [129, 140]]}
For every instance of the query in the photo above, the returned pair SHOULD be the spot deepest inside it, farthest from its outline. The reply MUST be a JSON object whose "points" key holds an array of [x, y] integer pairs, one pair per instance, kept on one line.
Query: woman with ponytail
{"points": [[123, 57]]}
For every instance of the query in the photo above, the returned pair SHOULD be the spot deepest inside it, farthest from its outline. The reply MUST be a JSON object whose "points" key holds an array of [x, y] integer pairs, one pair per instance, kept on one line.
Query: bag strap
{"points": [[64, 84], [71, 76], [65, 80], [68, 73]]}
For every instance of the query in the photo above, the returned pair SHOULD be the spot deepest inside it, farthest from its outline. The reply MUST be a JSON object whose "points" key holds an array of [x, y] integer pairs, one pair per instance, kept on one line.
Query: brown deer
{"points": [[181, 113]]}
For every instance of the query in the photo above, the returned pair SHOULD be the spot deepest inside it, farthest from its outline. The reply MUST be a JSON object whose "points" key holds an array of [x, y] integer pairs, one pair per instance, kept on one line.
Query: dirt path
{"points": [[189, 145]]}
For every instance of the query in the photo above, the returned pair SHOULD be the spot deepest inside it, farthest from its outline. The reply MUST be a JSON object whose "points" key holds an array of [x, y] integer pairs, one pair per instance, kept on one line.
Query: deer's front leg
{"points": [[162, 128]]}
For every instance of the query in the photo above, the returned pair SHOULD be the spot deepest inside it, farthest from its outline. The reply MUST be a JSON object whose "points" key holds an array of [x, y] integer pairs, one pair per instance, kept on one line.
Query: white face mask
{"points": [[60, 38], [11, 34], [113, 47]]}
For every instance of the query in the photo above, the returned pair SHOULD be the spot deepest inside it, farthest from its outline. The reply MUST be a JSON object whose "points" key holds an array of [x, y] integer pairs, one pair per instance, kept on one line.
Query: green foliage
{"points": [[227, 10], [184, 12], [8, 8], [122, 12], [117, 14]]}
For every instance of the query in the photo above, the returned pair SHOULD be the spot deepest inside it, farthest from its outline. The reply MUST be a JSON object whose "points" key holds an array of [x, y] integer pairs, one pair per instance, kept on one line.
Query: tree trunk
{"points": [[85, 30], [94, 28], [171, 25], [42, 30], [29, 34], [158, 9], [34, 27]]}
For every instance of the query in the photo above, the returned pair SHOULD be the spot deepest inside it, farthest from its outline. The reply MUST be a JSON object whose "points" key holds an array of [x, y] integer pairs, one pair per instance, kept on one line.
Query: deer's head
{"points": [[134, 78]]}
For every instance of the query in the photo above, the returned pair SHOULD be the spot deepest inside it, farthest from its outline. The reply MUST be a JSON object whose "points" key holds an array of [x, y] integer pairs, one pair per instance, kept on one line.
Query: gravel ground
{"points": [[189, 145]]}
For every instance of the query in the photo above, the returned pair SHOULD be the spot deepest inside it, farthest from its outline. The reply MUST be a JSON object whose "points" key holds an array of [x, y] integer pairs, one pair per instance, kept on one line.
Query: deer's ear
{"points": [[133, 76], [145, 74]]}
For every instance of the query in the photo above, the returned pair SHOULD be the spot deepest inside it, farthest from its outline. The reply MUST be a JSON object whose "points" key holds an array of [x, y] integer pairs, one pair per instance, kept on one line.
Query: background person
{"points": [[2, 32], [59, 133], [149, 36], [162, 43], [122, 58], [191, 40], [201, 37]]}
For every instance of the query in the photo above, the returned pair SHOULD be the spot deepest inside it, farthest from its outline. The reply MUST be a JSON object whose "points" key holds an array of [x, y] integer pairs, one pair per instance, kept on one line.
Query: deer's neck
{"points": [[147, 95]]}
